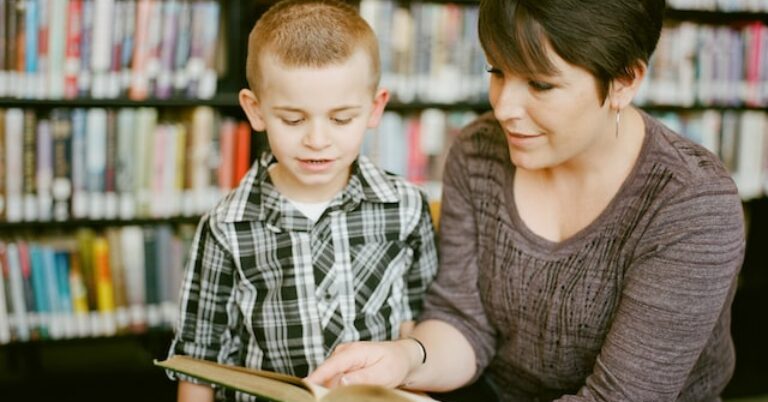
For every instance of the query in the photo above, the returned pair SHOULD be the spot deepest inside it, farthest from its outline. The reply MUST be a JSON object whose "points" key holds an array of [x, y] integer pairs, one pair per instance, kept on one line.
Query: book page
{"points": [[370, 393], [251, 381]]}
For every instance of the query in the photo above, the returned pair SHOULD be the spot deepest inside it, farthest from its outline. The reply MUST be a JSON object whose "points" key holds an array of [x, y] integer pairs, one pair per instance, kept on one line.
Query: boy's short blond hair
{"points": [[310, 33]]}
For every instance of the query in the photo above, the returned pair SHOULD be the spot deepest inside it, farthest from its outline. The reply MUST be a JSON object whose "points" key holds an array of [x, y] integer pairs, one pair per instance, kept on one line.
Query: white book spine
{"points": [[102, 41]]}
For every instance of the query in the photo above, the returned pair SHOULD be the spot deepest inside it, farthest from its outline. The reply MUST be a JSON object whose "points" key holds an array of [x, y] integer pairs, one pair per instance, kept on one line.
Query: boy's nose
{"points": [[316, 137]]}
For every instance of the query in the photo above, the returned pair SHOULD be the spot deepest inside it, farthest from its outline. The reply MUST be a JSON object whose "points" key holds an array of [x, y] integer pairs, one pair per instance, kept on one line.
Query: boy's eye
{"points": [[292, 122], [341, 121], [540, 85]]}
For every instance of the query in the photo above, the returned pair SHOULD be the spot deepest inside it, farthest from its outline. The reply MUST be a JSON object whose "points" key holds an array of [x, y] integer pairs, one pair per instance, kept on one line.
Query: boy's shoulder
{"points": [[242, 202], [381, 185]]}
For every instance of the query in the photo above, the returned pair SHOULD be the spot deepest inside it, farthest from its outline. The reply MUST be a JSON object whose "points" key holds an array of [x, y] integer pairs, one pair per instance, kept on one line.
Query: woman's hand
{"points": [[382, 363]]}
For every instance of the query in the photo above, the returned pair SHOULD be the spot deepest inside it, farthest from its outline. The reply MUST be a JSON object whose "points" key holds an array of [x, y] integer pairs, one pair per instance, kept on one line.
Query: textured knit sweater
{"points": [[634, 307]]}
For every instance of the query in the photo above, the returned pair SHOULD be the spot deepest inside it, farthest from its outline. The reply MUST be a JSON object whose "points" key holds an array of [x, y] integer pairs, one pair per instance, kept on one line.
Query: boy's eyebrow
{"points": [[334, 110]]}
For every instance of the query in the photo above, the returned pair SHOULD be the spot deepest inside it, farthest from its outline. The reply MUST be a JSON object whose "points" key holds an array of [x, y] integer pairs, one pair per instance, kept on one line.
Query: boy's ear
{"points": [[379, 103], [252, 108], [623, 90]]}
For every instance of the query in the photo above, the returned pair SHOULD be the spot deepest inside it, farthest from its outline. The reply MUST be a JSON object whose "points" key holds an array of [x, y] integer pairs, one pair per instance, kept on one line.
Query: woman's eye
{"points": [[540, 86]]}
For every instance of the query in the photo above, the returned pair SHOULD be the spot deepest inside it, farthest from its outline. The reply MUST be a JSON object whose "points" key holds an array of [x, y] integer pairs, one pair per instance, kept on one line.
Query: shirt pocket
{"points": [[378, 269]]}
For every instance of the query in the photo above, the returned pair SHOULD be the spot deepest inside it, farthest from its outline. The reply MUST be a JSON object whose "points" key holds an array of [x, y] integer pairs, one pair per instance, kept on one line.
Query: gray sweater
{"points": [[634, 307]]}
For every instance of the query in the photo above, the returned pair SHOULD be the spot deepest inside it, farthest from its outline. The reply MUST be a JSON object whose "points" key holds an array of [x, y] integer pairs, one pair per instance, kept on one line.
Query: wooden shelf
{"points": [[93, 223], [715, 16]]}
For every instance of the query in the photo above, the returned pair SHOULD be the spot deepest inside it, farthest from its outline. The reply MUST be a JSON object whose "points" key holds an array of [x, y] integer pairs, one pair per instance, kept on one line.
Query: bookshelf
{"points": [[419, 121]]}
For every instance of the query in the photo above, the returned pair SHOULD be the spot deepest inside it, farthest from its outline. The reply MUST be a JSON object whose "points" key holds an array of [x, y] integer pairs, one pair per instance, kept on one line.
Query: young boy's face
{"points": [[315, 119]]}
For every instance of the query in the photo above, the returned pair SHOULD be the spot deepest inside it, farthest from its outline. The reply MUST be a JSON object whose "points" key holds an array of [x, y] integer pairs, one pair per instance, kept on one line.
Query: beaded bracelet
{"points": [[423, 349]]}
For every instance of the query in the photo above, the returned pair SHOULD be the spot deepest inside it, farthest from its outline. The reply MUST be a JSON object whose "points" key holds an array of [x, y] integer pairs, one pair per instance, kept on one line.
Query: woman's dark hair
{"points": [[608, 38]]}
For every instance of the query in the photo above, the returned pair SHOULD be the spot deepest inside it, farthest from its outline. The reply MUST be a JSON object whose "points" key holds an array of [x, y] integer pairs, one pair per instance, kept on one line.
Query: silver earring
{"points": [[618, 119]]}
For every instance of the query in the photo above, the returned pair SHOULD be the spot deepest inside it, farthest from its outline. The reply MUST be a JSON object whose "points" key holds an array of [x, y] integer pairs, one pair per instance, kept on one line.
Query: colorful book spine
{"points": [[61, 188], [72, 52], [20, 317]]}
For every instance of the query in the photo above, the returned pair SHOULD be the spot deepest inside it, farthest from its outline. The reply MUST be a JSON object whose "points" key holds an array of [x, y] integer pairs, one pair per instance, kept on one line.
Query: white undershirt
{"points": [[311, 210]]}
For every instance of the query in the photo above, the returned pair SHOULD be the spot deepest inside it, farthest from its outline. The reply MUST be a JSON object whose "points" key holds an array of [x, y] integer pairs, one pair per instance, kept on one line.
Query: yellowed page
{"points": [[256, 382], [369, 393]]}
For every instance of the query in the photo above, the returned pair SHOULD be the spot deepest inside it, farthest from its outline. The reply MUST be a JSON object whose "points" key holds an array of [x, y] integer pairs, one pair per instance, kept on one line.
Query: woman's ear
{"points": [[624, 89], [379, 103], [252, 108]]}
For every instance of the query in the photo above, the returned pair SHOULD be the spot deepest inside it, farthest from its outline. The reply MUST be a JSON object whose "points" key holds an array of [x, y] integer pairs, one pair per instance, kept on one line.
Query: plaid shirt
{"points": [[267, 288]]}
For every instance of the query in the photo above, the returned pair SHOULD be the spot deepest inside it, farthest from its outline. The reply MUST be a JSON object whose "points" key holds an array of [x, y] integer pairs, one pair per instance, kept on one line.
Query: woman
{"points": [[587, 252]]}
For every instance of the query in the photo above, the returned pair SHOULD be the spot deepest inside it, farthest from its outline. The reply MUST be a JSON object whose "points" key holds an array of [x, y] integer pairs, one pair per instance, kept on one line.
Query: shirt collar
{"points": [[256, 198]]}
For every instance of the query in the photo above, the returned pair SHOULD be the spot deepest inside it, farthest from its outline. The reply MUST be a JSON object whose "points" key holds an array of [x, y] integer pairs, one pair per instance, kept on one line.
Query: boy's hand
{"points": [[381, 363]]}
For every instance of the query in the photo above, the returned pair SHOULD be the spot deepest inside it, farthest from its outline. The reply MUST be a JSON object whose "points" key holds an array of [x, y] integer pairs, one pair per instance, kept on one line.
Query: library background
{"points": [[119, 127]]}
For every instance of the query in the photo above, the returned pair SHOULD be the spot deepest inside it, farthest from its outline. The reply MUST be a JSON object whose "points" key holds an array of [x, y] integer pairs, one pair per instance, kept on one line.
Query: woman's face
{"points": [[550, 120]]}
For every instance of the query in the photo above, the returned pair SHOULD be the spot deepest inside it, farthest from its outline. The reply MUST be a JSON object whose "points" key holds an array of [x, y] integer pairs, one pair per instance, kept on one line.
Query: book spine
{"points": [[110, 166], [132, 241], [96, 149], [101, 53], [61, 188], [242, 151], [5, 325], [72, 53], [126, 156], [127, 48], [105, 298], [28, 172], [57, 47], [64, 293], [3, 46], [3, 165], [85, 76], [44, 173], [16, 277], [14, 140], [139, 80], [170, 13]]}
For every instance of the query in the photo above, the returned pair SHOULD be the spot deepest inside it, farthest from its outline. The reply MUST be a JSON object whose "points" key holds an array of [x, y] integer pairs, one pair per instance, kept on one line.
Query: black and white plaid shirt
{"points": [[267, 288]]}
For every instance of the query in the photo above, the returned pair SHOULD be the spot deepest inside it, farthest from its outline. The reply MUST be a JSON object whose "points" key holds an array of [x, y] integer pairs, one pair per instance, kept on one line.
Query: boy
{"points": [[316, 247]]}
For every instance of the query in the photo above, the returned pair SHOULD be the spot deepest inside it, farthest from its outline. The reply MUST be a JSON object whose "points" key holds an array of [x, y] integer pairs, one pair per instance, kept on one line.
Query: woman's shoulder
{"points": [[689, 164]]}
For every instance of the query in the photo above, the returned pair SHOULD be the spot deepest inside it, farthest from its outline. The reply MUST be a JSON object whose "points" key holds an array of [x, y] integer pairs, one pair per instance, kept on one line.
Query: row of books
{"points": [[415, 145], [122, 163], [709, 65], [93, 284], [740, 139], [108, 48], [754, 6], [429, 51]]}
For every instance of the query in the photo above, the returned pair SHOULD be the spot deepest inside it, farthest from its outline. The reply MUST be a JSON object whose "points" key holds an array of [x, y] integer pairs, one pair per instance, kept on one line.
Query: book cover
{"points": [[282, 387]]}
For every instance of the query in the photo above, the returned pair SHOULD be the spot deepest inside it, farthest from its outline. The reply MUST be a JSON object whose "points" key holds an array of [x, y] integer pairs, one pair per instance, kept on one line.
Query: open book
{"points": [[282, 387]]}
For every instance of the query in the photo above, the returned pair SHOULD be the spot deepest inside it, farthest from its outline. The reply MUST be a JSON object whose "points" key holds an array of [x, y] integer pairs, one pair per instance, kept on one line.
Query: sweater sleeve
{"points": [[454, 297], [675, 300]]}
